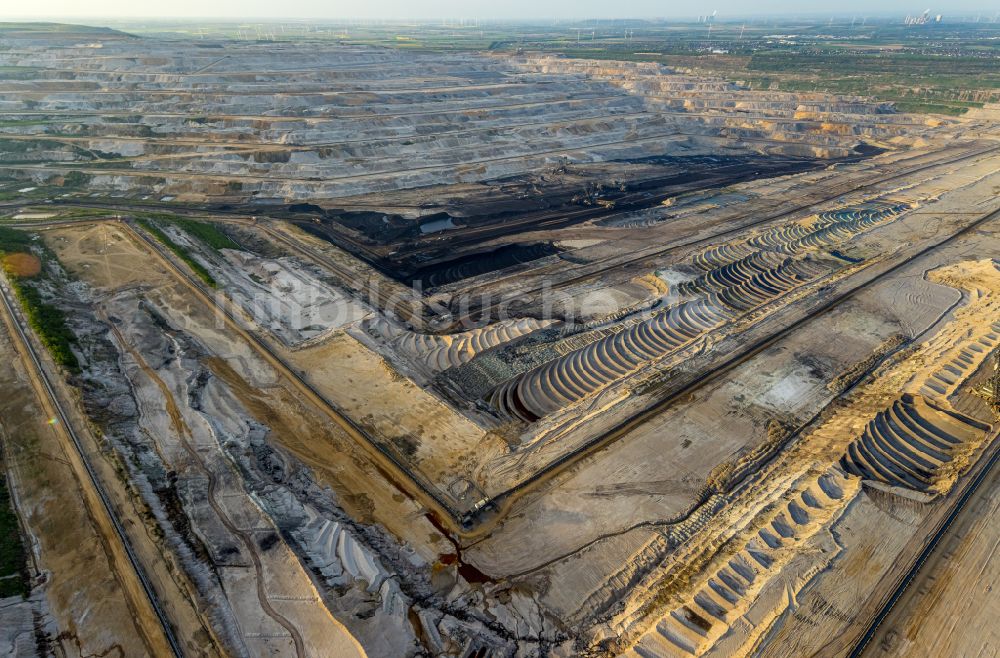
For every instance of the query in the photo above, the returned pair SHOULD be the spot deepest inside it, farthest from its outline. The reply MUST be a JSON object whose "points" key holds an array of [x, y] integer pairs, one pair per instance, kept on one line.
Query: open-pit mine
{"points": [[327, 349]]}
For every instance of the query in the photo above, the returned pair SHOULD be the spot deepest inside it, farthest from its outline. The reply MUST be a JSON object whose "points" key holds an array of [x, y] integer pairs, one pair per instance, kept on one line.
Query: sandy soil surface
{"points": [[948, 609], [442, 444], [103, 256], [882, 530]]}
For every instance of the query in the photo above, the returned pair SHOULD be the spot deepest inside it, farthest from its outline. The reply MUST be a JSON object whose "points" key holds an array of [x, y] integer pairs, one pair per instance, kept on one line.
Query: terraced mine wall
{"points": [[501, 145], [175, 119]]}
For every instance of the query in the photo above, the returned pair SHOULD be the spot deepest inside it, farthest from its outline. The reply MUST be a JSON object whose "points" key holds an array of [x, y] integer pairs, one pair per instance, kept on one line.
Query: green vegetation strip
{"points": [[48, 322], [207, 233], [14, 241], [17, 123], [179, 251], [35, 149], [14, 577]]}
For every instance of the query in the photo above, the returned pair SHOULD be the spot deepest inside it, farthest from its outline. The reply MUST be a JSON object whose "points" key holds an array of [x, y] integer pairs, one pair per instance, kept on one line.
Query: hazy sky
{"points": [[236, 9]]}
